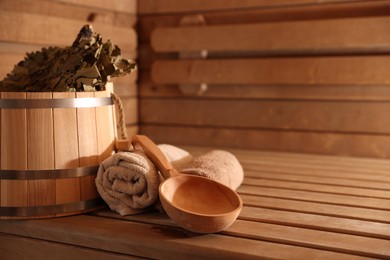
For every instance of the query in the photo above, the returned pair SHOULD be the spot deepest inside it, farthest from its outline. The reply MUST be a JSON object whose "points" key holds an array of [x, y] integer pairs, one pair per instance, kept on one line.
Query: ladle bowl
{"points": [[196, 203]]}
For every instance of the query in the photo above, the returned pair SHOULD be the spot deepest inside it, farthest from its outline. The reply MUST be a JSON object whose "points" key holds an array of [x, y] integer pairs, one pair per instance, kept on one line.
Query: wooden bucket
{"points": [[51, 147]]}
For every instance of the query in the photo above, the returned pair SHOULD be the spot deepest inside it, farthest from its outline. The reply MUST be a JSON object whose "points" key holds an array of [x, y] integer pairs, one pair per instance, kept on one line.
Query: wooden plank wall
{"points": [[28, 26], [295, 75]]}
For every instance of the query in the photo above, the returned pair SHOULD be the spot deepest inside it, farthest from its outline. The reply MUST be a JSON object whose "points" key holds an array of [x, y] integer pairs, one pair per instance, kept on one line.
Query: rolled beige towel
{"points": [[218, 165], [128, 181]]}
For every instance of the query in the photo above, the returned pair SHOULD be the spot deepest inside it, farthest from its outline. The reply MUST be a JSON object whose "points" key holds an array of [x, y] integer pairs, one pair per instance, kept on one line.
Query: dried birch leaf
{"points": [[87, 65]]}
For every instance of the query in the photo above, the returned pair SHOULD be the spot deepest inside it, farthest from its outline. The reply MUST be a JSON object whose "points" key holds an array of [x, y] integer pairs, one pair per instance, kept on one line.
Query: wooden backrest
{"points": [[293, 75]]}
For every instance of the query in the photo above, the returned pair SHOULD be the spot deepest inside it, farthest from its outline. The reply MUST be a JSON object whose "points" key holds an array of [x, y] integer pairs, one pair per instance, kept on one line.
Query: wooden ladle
{"points": [[196, 203]]}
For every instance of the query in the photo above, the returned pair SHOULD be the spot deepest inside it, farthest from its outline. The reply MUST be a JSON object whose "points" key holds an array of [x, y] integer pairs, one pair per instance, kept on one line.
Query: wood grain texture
{"points": [[174, 6], [268, 52], [300, 70], [285, 216], [359, 145], [326, 10], [105, 126], [40, 152], [156, 240], [31, 26], [66, 150], [149, 89], [125, 6], [14, 152], [350, 117], [91, 11], [342, 36], [35, 248], [87, 146]]}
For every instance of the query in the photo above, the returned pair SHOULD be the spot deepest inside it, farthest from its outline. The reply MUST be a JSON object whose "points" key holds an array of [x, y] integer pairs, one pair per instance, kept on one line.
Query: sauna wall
{"points": [[295, 75], [27, 26]]}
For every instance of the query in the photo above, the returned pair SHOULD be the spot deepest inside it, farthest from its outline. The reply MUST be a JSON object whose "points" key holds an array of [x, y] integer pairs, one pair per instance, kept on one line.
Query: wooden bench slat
{"points": [[325, 188], [344, 70], [301, 170], [19, 247], [335, 199], [288, 205], [351, 244], [325, 162], [285, 234], [155, 241], [296, 177], [347, 169], [353, 35], [317, 222]]}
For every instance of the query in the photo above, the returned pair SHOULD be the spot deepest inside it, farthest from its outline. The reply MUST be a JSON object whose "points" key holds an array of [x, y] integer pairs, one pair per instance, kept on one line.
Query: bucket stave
{"points": [[51, 147]]}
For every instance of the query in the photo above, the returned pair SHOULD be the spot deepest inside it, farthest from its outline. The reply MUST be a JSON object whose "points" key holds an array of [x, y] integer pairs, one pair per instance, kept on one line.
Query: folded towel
{"points": [[218, 165], [128, 181]]}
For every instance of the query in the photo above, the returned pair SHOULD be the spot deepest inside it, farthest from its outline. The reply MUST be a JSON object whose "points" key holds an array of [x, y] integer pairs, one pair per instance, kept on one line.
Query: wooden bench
{"points": [[296, 206]]}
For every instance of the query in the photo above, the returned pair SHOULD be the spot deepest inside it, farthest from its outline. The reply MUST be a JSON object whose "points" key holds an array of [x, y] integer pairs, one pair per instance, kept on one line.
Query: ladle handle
{"points": [[155, 155]]}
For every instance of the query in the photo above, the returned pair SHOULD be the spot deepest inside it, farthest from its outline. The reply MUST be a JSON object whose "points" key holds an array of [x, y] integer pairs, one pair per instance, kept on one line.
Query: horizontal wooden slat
{"points": [[346, 212], [47, 31], [325, 10], [356, 70], [354, 35], [147, 88], [336, 199], [286, 141], [292, 235], [82, 11], [154, 241], [19, 247], [324, 188], [301, 178], [326, 162], [356, 173], [170, 6], [323, 161], [295, 115], [125, 6], [320, 187]]}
